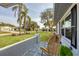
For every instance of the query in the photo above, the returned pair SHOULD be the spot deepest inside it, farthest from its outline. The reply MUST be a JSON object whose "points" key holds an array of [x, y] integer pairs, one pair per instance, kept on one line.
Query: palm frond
{"points": [[29, 18], [18, 20], [25, 8], [14, 8]]}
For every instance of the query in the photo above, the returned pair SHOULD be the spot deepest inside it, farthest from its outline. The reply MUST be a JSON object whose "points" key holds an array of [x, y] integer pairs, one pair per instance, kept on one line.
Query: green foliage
{"points": [[34, 25], [65, 51], [47, 18], [46, 15], [44, 36]]}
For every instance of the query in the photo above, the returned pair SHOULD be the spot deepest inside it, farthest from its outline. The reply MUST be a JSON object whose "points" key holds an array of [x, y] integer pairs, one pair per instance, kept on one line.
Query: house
{"points": [[6, 27], [66, 16]]}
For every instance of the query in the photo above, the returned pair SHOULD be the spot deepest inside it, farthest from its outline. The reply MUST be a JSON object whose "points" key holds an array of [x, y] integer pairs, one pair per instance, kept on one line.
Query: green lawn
{"points": [[7, 40], [44, 36]]}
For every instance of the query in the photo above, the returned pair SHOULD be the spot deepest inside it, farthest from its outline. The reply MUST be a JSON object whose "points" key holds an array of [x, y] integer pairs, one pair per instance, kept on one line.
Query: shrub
{"points": [[65, 51], [14, 34]]}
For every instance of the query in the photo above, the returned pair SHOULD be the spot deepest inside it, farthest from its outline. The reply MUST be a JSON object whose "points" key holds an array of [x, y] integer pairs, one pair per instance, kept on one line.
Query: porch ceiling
{"points": [[60, 9], [6, 5]]}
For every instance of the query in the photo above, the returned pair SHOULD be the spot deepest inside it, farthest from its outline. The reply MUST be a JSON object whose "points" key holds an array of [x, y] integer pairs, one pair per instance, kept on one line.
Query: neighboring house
{"points": [[6, 27], [66, 16]]}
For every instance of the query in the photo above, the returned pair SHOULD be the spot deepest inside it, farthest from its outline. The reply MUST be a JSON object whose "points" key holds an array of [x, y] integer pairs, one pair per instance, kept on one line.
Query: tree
{"points": [[34, 25], [29, 22], [45, 24], [46, 16], [51, 24], [21, 11], [26, 22]]}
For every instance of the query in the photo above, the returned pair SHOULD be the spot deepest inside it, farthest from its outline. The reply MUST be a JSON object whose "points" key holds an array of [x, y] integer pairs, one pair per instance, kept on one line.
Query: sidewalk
{"points": [[5, 34]]}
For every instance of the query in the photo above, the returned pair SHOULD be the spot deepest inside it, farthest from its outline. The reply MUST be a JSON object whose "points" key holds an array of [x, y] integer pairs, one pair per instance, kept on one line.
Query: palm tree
{"points": [[21, 10], [29, 21], [25, 17], [17, 8]]}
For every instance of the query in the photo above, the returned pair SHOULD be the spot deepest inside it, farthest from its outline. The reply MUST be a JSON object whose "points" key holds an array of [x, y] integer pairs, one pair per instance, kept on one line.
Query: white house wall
{"points": [[6, 29]]}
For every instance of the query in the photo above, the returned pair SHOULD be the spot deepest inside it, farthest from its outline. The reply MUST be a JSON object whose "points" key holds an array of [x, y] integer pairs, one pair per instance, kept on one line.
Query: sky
{"points": [[34, 10]]}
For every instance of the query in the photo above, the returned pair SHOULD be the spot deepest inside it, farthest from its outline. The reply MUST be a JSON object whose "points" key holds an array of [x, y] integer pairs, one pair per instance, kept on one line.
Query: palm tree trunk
{"points": [[25, 24], [20, 6], [20, 27]]}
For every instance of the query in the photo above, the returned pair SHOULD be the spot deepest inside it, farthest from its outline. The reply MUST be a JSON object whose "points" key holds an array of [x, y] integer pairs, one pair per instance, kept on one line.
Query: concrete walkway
{"points": [[5, 34], [30, 47]]}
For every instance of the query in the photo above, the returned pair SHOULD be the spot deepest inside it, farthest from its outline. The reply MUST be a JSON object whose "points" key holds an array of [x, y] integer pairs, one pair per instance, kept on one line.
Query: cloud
{"points": [[10, 20], [38, 20]]}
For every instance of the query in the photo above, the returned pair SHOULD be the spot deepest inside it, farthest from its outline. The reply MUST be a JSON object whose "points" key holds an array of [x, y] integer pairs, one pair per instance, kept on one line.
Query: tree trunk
{"points": [[19, 17], [25, 24]]}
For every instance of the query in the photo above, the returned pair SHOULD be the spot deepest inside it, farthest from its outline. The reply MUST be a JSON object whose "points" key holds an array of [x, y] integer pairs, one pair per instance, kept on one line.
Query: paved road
{"points": [[20, 49]]}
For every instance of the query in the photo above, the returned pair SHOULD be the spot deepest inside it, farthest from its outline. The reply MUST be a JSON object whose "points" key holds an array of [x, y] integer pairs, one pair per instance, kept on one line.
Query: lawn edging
{"points": [[6, 47]]}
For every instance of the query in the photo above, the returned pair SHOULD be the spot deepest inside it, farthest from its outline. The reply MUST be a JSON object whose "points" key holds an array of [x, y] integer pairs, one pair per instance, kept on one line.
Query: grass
{"points": [[44, 36], [65, 51], [8, 40]]}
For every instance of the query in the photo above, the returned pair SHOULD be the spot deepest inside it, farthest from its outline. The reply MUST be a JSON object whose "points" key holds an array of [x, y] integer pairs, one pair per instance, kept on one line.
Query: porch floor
{"points": [[36, 50]]}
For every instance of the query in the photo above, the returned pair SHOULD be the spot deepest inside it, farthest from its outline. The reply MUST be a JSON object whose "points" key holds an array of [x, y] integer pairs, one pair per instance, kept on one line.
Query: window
{"points": [[74, 26], [62, 31], [62, 27], [69, 27], [68, 33], [66, 27]]}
